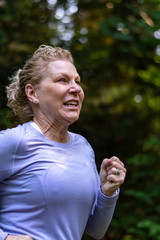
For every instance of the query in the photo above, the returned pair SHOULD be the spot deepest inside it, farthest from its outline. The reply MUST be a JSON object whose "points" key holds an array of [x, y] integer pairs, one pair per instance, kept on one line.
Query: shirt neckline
{"points": [[38, 130], [36, 126]]}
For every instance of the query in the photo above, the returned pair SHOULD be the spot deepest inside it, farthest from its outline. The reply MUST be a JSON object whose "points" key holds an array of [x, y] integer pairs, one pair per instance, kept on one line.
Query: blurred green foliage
{"points": [[117, 53]]}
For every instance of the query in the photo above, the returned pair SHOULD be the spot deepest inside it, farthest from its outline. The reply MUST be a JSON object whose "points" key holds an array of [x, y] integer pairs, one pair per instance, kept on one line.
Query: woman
{"points": [[49, 185]]}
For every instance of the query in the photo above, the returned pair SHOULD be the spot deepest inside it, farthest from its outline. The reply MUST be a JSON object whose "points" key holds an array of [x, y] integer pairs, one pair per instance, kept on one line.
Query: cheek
{"points": [[53, 93], [82, 96]]}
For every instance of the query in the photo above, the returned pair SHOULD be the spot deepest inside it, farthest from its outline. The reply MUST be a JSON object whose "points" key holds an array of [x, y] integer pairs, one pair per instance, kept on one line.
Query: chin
{"points": [[73, 119]]}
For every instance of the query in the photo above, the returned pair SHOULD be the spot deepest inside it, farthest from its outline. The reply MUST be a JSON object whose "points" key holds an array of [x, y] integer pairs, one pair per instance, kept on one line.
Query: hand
{"points": [[18, 237], [112, 175]]}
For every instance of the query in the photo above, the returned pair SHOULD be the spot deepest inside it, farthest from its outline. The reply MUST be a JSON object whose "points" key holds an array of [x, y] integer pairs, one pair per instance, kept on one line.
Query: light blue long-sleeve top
{"points": [[50, 190]]}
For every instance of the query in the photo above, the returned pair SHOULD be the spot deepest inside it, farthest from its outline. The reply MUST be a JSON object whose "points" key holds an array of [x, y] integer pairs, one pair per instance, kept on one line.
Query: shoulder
{"points": [[11, 136], [9, 140], [10, 133], [81, 141], [78, 138]]}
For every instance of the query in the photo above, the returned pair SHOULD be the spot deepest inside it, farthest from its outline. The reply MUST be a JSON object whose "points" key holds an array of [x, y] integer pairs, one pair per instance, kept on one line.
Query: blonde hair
{"points": [[32, 72]]}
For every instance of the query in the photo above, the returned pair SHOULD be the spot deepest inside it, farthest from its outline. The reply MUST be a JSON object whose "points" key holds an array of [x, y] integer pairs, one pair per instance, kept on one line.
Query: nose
{"points": [[75, 88]]}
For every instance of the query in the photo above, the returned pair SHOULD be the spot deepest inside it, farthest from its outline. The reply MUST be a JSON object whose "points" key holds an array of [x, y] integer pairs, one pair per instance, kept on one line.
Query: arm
{"points": [[102, 212], [18, 237], [6, 165], [7, 150], [101, 215]]}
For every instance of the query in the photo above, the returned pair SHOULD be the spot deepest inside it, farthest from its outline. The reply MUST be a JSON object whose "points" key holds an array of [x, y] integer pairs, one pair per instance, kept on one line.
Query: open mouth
{"points": [[71, 103]]}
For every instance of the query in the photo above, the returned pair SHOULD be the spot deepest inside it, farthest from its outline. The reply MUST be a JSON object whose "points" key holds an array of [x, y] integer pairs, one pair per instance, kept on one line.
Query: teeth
{"points": [[71, 103]]}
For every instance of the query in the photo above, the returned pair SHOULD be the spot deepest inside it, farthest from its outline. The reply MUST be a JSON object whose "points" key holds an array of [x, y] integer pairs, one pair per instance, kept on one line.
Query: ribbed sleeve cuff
{"points": [[107, 201]]}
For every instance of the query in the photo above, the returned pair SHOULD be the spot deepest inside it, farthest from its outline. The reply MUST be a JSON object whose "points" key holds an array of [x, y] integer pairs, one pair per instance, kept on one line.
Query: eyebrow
{"points": [[68, 75], [78, 77]]}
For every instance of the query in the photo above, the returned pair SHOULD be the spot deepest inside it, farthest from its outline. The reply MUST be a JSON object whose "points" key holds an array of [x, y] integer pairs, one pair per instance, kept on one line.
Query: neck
{"points": [[52, 132]]}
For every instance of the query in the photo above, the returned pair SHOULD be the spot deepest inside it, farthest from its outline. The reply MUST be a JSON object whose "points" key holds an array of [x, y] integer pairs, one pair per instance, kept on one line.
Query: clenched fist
{"points": [[112, 175]]}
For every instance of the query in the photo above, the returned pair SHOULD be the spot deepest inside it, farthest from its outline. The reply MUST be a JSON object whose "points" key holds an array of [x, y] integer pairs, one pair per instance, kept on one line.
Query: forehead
{"points": [[61, 66]]}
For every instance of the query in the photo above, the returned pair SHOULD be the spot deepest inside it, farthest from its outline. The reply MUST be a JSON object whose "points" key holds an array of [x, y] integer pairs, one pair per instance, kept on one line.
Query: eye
{"points": [[78, 82], [62, 80]]}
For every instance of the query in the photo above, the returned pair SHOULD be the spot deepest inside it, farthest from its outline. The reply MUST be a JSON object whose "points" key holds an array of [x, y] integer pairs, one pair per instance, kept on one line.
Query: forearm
{"points": [[101, 215], [6, 236], [18, 237]]}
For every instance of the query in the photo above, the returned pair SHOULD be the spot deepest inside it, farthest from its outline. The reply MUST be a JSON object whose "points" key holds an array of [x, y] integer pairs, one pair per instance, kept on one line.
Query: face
{"points": [[60, 95]]}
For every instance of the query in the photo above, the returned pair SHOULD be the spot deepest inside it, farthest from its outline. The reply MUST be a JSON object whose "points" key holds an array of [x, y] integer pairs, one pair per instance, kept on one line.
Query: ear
{"points": [[31, 93]]}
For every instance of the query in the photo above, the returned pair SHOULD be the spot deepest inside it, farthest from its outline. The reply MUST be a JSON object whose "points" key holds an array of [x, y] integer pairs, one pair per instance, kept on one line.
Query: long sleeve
{"points": [[101, 215], [8, 146]]}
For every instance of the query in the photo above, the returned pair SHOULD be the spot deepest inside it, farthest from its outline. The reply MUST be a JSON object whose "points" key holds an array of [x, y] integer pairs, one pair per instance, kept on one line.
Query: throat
{"points": [[53, 133], [60, 138]]}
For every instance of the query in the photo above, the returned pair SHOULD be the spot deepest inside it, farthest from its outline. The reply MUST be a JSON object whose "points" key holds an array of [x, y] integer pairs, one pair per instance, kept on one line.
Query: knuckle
{"points": [[113, 170], [116, 159], [121, 180]]}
